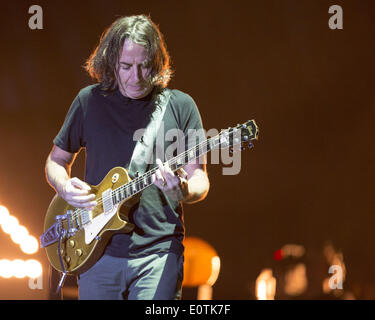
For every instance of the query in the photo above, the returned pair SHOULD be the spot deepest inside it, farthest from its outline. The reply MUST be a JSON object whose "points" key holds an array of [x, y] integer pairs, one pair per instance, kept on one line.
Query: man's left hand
{"points": [[174, 186]]}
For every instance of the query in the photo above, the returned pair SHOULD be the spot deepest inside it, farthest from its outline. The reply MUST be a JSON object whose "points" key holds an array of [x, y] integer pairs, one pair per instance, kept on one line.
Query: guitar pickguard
{"points": [[93, 228]]}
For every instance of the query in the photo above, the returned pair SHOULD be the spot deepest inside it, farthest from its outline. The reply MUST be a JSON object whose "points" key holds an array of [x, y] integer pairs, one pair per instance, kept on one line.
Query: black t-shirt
{"points": [[103, 124]]}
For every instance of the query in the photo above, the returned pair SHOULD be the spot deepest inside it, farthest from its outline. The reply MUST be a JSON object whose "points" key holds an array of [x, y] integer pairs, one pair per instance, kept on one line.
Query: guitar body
{"points": [[82, 249]]}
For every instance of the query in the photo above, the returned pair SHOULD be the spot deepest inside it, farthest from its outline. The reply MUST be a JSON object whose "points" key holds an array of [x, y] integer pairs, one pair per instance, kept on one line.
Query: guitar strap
{"points": [[146, 137]]}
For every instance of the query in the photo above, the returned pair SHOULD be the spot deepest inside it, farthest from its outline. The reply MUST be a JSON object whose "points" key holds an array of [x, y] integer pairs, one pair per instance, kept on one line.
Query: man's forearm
{"points": [[56, 174]]}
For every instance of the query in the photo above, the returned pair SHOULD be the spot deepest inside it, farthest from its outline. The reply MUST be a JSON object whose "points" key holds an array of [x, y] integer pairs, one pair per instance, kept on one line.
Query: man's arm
{"points": [[72, 190], [197, 183]]}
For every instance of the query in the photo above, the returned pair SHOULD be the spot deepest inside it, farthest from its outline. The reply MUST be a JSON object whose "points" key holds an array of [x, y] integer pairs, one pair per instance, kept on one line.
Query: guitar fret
{"points": [[142, 182], [197, 154], [149, 179]]}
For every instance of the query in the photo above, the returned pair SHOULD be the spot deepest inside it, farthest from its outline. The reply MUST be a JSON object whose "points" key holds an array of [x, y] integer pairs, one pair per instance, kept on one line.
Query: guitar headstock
{"points": [[239, 135]]}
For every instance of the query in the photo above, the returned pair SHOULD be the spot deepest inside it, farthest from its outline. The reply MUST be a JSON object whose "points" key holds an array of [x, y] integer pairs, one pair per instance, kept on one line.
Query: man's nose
{"points": [[136, 74]]}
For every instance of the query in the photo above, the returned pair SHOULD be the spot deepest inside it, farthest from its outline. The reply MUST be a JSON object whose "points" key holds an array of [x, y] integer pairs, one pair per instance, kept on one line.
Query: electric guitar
{"points": [[75, 238]]}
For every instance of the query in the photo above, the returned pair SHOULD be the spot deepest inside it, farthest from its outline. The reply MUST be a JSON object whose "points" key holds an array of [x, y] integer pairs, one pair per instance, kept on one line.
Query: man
{"points": [[131, 66]]}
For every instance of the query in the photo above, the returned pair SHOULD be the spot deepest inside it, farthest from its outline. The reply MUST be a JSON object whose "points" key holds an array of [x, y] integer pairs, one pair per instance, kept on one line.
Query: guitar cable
{"points": [[50, 272], [62, 266]]}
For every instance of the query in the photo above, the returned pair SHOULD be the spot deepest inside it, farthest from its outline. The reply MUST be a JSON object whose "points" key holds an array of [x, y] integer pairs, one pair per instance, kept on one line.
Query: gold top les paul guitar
{"points": [[75, 238]]}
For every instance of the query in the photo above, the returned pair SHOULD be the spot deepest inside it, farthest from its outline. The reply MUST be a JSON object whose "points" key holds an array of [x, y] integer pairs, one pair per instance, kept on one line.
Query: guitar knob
{"points": [[72, 243], [79, 252], [67, 259]]}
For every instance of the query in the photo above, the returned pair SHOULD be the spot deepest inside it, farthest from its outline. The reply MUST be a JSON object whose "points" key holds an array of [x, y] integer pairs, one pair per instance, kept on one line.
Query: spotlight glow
{"points": [[19, 270], [33, 268], [6, 268], [30, 245], [9, 224], [4, 214], [19, 234]]}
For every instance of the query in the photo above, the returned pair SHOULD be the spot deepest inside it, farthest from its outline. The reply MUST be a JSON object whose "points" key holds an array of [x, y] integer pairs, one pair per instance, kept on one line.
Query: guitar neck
{"points": [[227, 138], [147, 179]]}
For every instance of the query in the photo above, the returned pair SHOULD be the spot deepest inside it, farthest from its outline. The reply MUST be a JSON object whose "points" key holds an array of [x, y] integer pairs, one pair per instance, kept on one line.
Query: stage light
{"points": [[6, 268], [30, 245], [265, 285], [262, 290], [33, 268], [19, 234], [19, 270], [4, 214], [215, 262], [9, 224]]}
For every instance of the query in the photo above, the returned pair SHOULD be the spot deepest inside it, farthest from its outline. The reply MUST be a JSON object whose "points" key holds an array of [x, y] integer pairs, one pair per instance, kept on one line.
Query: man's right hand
{"points": [[76, 193]]}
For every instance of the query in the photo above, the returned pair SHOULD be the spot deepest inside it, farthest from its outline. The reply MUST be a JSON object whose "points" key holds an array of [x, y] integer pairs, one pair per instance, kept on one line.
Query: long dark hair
{"points": [[102, 64]]}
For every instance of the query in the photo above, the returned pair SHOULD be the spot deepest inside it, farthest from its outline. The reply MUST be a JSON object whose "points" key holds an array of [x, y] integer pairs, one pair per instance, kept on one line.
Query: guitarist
{"points": [[131, 67]]}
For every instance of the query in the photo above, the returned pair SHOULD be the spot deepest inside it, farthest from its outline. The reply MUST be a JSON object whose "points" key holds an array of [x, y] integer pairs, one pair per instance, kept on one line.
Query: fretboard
{"points": [[145, 180]]}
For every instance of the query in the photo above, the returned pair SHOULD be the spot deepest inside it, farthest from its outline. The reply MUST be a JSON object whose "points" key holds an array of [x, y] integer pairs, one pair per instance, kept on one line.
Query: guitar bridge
{"points": [[57, 230]]}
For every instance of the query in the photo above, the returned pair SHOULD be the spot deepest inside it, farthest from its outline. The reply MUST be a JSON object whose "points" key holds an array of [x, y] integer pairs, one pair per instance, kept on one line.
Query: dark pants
{"points": [[157, 276]]}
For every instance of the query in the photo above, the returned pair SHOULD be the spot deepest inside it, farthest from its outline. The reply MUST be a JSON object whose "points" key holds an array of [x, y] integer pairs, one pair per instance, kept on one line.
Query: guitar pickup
{"points": [[107, 200]]}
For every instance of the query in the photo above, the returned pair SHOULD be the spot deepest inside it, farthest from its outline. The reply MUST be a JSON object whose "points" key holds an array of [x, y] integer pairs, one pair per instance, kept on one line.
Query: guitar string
{"points": [[79, 211]]}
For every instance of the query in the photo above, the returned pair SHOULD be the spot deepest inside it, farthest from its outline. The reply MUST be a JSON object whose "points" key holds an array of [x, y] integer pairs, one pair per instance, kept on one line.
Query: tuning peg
{"points": [[246, 138]]}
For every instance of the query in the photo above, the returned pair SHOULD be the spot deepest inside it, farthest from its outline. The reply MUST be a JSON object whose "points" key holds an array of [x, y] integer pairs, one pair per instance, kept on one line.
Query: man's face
{"points": [[134, 71]]}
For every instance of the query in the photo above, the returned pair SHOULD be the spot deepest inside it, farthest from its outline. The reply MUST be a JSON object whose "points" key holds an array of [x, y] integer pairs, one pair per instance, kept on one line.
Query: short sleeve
{"points": [[70, 136], [191, 121]]}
